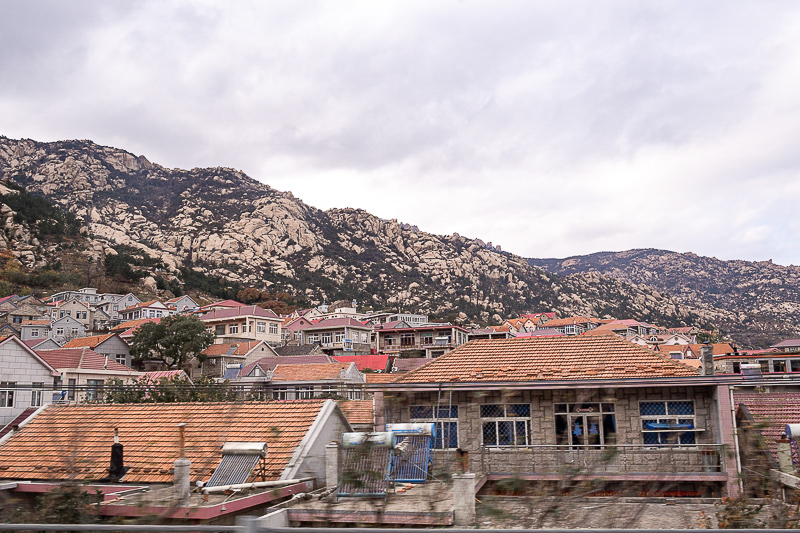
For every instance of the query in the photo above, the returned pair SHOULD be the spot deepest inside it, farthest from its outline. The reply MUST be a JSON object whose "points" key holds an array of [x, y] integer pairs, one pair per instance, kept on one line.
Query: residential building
{"points": [[26, 380], [110, 345], [77, 310], [112, 304], [338, 336], [35, 330], [292, 328], [303, 381], [151, 309], [432, 340], [64, 329], [183, 304], [222, 304], [84, 372], [597, 406], [573, 325], [219, 357], [382, 317], [87, 295], [244, 323]]}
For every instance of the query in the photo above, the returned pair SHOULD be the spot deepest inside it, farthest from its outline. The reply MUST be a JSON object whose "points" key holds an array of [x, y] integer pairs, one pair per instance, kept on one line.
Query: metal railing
{"points": [[603, 459]]}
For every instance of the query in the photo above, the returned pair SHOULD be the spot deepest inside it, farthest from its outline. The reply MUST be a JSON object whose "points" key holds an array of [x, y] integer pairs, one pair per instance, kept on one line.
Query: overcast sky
{"points": [[551, 128]]}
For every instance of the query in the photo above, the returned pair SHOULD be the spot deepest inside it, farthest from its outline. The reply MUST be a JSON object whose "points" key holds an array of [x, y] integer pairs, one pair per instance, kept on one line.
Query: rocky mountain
{"points": [[218, 221], [761, 299]]}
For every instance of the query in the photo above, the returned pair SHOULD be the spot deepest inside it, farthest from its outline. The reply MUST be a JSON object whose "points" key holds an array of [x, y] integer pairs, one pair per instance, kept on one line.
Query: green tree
{"points": [[174, 341]]}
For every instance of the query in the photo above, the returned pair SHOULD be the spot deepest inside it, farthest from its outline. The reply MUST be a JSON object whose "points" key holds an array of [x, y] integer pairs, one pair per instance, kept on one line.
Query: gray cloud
{"points": [[550, 128]]}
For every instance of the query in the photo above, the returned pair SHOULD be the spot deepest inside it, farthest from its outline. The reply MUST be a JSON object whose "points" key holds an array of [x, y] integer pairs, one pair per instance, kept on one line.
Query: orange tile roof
{"points": [[381, 377], [36, 323], [130, 324], [546, 359], [719, 348], [80, 358], [143, 304], [309, 372], [89, 341], [74, 442], [358, 411]]}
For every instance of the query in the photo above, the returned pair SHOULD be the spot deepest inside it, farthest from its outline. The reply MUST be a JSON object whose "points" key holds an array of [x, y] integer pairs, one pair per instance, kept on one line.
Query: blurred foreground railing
{"points": [[602, 459]]}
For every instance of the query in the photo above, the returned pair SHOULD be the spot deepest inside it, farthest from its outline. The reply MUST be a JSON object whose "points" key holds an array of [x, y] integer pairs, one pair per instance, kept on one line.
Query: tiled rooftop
{"points": [[371, 362], [66, 442], [308, 372], [88, 341], [358, 411], [270, 362], [772, 411], [81, 358], [546, 359], [382, 377]]}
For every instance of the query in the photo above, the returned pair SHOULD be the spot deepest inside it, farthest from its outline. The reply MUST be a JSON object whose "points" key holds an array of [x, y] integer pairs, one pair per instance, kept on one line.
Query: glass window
{"points": [[36, 394], [233, 328], [261, 327], [94, 388], [667, 422], [326, 338], [273, 329], [7, 390], [445, 419], [509, 424], [585, 424]]}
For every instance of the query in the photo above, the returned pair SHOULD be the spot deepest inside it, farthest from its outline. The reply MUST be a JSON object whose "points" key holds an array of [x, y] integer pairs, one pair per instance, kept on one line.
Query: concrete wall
{"points": [[313, 464]]}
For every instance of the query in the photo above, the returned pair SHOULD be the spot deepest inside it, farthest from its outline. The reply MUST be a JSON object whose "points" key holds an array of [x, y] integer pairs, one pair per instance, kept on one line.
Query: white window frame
{"points": [[37, 394], [8, 394], [233, 329], [34, 332], [507, 417], [261, 327], [273, 329]]}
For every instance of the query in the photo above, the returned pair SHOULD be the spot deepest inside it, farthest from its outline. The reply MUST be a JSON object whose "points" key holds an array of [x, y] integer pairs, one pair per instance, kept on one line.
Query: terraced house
{"points": [[550, 409]]}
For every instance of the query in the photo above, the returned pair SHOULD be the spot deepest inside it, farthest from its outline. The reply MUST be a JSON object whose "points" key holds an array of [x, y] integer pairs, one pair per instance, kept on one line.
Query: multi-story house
{"points": [[244, 323], [183, 304], [599, 408], [431, 339], [382, 317], [76, 309], [112, 304], [66, 328], [110, 345], [291, 331], [339, 336], [151, 309]]}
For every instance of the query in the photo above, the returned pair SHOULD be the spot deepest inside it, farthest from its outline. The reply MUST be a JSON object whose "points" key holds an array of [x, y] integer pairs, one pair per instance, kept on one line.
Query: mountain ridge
{"points": [[762, 298], [219, 221]]}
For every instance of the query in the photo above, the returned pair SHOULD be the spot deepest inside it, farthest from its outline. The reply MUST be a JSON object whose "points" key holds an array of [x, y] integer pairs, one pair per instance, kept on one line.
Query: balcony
{"points": [[625, 461]]}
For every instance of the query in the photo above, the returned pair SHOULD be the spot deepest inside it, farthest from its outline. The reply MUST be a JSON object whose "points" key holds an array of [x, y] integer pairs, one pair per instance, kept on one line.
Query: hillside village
{"points": [[517, 402]]}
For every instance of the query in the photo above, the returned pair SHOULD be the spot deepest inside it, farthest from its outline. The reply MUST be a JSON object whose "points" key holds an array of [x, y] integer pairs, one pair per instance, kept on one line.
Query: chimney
{"points": [[182, 470], [707, 357], [117, 469]]}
